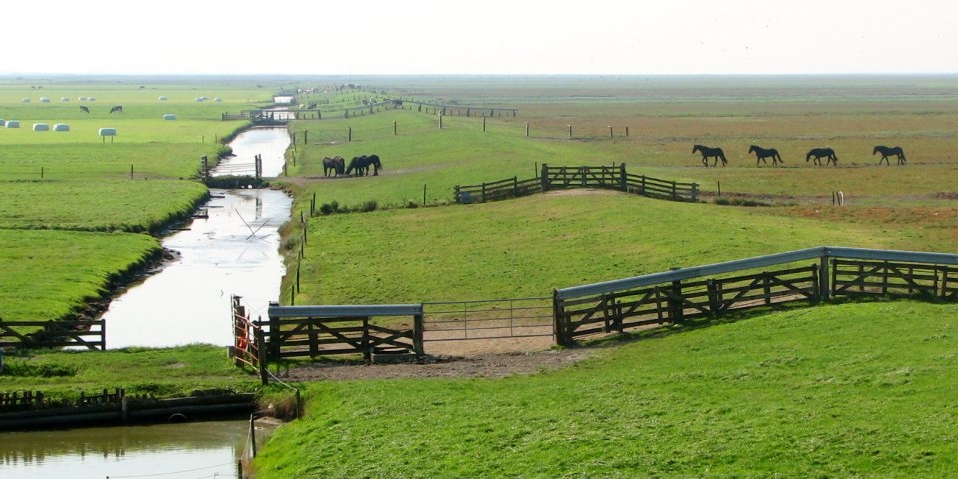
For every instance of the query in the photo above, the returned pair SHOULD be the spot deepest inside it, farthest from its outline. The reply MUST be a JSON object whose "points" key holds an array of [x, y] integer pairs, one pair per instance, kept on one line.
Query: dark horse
{"points": [[84, 109], [886, 152], [116, 109], [709, 152], [335, 165], [361, 165], [819, 153], [762, 153]]}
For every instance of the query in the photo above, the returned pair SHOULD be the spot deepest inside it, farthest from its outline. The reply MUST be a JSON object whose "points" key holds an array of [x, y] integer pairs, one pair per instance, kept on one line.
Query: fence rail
{"points": [[296, 331], [487, 319], [683, 294], [560, 177], [54, 334]]}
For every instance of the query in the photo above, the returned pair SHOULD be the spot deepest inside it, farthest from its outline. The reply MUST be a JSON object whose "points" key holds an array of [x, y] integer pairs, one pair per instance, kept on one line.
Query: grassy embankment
{"points": [[844, 390]]}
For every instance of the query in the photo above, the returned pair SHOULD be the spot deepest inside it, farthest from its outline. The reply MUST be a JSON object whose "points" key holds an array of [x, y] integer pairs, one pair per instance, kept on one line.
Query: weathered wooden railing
{"points": [[705, 291], [562, 177], [25, 400], [248, 340], [90, 334], [313, 331]]}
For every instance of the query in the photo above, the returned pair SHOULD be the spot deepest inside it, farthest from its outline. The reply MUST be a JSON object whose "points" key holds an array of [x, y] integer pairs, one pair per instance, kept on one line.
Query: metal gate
{"points": [[487, 319]]}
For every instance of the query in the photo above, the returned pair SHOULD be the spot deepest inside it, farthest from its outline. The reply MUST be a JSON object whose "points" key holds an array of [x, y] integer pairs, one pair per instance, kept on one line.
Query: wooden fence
{"points": [[561, 177], [248, 341], [707, 291], [25, 400], [90, 334], [296, 331]]}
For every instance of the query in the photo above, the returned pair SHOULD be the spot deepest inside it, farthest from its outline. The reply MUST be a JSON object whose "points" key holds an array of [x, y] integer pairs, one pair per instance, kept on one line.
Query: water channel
{"points": [[232, 249]]}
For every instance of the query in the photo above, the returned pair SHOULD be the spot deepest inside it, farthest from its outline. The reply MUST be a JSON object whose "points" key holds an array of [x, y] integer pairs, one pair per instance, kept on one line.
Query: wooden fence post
{"points": [[676, 314], [544, 177], [623, 180], [559, 327], [714, 294], [261, 355], [823, 278], [417, 333]]}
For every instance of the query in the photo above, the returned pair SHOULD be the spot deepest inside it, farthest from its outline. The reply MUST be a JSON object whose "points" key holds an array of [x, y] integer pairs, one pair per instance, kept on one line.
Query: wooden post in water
{"points": [[252, 436]]}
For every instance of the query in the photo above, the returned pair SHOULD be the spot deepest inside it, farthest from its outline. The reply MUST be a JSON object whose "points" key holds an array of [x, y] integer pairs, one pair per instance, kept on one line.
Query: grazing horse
{"points": [[819, 153], [116, 109], [84, 109], [361, 165], [709, 152], [762, 153], [886, 152], [335, 165]]}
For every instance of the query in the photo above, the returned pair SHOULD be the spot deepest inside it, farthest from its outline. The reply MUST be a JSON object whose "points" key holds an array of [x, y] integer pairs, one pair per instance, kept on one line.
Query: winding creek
{"points": [[234, 249]]}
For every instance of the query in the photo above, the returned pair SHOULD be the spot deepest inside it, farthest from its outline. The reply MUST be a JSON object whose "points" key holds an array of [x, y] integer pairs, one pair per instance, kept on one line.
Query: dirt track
{"points": [[484, 358]]}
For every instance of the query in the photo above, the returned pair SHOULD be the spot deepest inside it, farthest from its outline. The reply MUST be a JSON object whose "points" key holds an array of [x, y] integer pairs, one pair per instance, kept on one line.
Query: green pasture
{"points": [[527, 247], [56, 184], [849, 390], [140, 372], [838, 390], [50, 274], [844, 390]]}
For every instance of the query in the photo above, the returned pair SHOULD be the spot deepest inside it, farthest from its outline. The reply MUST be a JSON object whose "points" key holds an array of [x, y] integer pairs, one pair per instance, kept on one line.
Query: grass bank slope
{"points": [[526, 247], [853, 390]]}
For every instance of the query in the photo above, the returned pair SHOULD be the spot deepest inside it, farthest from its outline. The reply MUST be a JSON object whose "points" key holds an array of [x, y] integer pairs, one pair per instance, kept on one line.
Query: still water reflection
{"points": [[171, 451], [235, 250]]}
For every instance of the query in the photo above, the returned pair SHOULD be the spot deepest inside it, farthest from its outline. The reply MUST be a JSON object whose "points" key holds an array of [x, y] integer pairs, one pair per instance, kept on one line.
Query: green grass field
{"points": [[841, 390], [851, 390]]}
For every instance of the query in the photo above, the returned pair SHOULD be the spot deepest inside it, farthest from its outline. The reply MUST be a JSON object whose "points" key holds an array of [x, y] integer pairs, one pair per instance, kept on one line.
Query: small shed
{"points": [[169, 116], [13, 123], [61, 127], [41, 127], [107, 131]]}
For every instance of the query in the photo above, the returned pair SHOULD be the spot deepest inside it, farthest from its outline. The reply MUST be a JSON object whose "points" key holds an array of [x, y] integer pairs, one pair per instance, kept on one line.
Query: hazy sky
{"points": [[339, 37]]}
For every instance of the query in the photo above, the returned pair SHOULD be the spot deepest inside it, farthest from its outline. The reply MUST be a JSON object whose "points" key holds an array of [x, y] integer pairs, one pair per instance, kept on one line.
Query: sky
{"points": [[486, 37]]}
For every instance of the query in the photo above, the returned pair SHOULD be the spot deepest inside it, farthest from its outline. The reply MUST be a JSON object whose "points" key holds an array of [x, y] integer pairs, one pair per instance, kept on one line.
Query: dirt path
{"points": [[483, 358]]}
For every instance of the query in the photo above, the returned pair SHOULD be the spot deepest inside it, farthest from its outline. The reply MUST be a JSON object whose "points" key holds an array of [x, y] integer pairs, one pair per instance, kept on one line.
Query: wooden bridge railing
{"points": [[706, 291]]}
